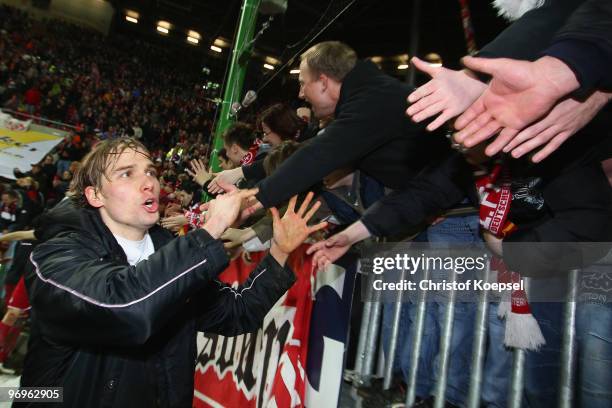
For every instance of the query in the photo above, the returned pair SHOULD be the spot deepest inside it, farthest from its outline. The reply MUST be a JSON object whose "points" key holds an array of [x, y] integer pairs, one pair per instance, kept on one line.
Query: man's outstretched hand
{"points": [[198, 172], [292, 229], [224, 210], [519, 93], [328, 251], [447, 94], [226, 177], [561, 123]]}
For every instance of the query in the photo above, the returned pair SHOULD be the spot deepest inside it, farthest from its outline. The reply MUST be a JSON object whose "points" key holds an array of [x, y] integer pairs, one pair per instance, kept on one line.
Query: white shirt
{"points": [[136, 251]]}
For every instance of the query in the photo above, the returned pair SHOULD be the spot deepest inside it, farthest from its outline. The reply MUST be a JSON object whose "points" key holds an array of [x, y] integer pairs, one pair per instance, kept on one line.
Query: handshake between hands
{"points": [[290, 230]]}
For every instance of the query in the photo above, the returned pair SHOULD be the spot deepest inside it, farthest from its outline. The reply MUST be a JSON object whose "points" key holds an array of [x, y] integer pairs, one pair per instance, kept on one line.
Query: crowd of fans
{"points": [[103, 86], [377, 172]]}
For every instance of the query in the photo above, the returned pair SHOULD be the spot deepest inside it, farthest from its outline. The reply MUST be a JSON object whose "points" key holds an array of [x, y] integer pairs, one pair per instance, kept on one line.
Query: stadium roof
{"points": [[372, 27]]}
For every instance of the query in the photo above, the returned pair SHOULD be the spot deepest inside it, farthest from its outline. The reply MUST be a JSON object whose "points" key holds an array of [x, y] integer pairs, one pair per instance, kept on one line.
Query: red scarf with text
{"points": [[249, 157], [522, 329]]}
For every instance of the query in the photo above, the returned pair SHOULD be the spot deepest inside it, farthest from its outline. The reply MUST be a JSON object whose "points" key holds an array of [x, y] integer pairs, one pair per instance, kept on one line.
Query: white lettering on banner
{"points": [[251, 359], [289, 377], [207, 400], [267, 368]]}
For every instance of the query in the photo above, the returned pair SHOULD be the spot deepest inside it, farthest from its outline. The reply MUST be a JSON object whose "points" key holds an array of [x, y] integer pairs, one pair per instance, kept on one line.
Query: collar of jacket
{"points": [[360, 78], [159, 236], [66, 218]]}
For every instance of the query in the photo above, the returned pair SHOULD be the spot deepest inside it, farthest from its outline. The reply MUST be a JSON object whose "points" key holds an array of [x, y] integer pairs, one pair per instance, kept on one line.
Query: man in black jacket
{"points": [[576, 192], [370, 131], [116, 301]]}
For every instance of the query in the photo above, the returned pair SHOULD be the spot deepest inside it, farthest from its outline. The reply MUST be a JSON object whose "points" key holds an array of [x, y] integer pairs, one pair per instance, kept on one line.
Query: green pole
{"points": [[235, 78]]}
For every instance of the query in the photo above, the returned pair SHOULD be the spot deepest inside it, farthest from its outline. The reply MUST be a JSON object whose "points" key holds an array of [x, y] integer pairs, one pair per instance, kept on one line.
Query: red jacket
{"points": [[32, 97]]}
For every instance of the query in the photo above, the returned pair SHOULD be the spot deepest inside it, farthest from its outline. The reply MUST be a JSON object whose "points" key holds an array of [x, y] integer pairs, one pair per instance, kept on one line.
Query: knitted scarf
{"points": [[249, 157], [522, 329]]}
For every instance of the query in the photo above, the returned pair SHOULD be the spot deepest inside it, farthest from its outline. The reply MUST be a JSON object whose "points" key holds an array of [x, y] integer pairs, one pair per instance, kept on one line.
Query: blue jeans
{"points": [[542, 367], [594, 329], [451, 230], [593, 387], [594, 335], [498, 363]]}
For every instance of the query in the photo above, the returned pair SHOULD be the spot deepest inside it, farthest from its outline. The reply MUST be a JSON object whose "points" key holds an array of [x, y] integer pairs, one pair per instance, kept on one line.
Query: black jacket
{"points": [[434, 190], [115, 335], [526, 37], [370, 132], [585, 44], [575, 190]]}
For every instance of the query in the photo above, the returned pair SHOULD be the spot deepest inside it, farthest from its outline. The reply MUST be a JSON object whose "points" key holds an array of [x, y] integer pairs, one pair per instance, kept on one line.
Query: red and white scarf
{"points": [[249, 157], [522, 329]]}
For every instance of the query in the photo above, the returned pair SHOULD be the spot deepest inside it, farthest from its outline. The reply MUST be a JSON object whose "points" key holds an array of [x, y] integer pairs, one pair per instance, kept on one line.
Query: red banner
{"points": [[265, 368]]}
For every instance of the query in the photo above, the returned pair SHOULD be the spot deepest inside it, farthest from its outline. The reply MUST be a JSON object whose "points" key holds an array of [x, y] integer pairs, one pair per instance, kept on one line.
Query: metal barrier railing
{"points": [[368, 334], [517, 381], [568, 348], [363, 330], [517, 378], [446, 336], [371, 322], [397, 311], [419, 325], [478, 348]]}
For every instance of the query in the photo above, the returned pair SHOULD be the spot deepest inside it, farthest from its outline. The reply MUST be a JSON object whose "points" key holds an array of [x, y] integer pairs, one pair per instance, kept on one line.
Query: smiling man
{"points": [[370, 131], [117, 301]]}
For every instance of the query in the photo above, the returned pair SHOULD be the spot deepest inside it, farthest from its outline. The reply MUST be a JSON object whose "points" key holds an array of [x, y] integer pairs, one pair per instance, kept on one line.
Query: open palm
{"points": [[292, 229], [519, 93]]}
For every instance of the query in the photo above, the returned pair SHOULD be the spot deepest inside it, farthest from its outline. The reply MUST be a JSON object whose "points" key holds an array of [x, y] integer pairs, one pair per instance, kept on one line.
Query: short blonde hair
{"points": [[332, 58], [95, 164]]}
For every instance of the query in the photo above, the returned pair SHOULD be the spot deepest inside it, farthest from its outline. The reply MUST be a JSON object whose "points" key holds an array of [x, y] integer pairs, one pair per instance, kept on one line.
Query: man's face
{"points": [[234, 153], [184, 197], [315, 90], [129, 199]]}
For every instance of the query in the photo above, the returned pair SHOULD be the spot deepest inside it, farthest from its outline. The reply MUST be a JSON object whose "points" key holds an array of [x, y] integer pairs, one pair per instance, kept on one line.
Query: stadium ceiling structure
{"points": [[372, 27]]}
